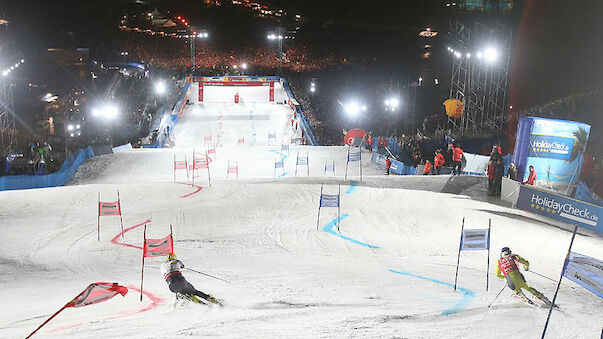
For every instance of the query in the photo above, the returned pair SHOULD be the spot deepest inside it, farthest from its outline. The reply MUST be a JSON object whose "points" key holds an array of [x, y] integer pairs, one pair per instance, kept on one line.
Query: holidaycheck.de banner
{"points": [[560, 207], [553, 147]]}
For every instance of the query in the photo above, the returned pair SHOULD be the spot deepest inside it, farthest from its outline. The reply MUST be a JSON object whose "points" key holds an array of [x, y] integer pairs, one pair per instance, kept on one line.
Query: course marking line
{"points": [[283, 157], [115, 239], [353, 185], [329, 228], [199, 188], [468, 295]]}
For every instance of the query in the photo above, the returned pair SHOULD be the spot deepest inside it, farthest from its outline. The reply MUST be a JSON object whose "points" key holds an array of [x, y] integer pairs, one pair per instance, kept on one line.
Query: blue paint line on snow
{"points": [[353, 185], [279, 153], [283, 157], [330, 228], [468, 295]]}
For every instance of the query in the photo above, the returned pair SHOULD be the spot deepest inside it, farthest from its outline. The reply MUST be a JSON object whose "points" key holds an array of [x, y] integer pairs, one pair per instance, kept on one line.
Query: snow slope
{"points": [[387, 272]]}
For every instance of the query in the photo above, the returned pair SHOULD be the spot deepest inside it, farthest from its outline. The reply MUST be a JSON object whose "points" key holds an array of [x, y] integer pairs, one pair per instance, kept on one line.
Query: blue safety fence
{"points": [[312, 140], [560, 207], [59, 178], [396, 167], [586, 194]]}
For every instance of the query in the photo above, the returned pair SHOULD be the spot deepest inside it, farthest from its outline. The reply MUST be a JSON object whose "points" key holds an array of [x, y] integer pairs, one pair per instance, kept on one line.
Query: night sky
{"points": [[558, 47]]}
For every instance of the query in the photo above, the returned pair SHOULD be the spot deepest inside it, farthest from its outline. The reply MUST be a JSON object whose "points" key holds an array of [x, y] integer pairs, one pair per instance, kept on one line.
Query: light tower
{"points": [[8, 140], [480, 56]]}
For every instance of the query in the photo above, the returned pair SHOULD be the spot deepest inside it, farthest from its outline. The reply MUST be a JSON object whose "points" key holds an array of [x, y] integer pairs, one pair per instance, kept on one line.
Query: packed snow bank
{"points": [[387, 272]]}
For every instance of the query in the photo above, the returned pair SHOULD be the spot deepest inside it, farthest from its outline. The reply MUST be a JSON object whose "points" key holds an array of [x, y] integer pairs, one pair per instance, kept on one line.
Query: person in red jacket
{"points": [[427, 168], [457, 156], [438, 161], [388, 164], [531, 177]]}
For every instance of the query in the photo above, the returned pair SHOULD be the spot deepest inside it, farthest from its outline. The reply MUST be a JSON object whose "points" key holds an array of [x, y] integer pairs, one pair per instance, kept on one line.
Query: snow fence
{"points": [[59, 178]]}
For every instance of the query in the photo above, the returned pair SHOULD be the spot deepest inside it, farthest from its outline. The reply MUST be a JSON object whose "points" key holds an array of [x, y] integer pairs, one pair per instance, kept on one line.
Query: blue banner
{"points": [[354, 156], [550, 146], [302, 161], [329, 200], [555, 148], [585, 271], [560, 207], [475, 239], [396, 167]]}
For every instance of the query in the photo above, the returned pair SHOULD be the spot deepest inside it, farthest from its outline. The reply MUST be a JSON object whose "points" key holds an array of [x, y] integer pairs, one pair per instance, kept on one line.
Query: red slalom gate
{"points": [[180, 165], [108, 208], [233, 168], [201, 162], [241, 141]]}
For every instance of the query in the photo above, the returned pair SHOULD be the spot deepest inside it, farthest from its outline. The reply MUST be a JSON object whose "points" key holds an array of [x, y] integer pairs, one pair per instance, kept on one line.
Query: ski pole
{"points": [[544, 276], [209, 275], [502, 289]]}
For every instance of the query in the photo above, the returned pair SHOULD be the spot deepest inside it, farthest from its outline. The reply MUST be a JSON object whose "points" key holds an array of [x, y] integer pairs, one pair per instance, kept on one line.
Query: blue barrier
{"points": [[169, 120], [304, 123], [396, 167], [586, 194], [560, 207], [59, 178]]}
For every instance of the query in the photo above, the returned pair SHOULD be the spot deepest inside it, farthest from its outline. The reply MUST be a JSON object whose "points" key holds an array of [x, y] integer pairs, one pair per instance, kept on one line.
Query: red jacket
{"points": [[439, 160], [388, 163], [457, 154], [427, 167], [532, 178]]}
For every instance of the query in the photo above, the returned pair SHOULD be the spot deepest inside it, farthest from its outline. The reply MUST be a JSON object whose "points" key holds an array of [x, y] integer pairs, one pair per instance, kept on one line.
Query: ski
{"points": [[197, 300]]}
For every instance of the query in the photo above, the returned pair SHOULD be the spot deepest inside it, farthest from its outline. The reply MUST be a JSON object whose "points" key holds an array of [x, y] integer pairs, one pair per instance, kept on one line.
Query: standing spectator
{"points": [[370, 143], [512, 174], [427, 168], [438, 162], [531, 177], [490, 176], [388, 164], [457, 156], [496, 161]]}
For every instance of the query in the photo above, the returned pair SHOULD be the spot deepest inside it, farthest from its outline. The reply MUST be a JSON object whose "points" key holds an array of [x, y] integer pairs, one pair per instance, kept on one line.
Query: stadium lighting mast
{"points": [[193, 35], [279, 41]]}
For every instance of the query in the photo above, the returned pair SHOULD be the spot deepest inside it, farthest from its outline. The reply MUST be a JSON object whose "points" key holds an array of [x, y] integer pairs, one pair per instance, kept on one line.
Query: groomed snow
{"points": [[388, 271]]}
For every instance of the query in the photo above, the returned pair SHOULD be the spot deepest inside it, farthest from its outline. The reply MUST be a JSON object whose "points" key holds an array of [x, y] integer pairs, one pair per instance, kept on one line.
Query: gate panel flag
{"points": [[180, 164], [475, 239], [329, 200], [302, 161], [96, 293], [585, 271], [354, 156], [279, 164], [109, 208], [158, 247]]}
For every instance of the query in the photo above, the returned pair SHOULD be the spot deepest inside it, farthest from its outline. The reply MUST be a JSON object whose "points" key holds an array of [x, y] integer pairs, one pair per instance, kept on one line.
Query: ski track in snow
{"points": [[468, 295], [384, 275]]}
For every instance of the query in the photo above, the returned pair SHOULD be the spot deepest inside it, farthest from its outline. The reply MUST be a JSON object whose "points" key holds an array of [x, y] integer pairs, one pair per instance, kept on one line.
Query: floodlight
{"points": [[353, 109], [70, 127], [490, 54], [160, 87]]}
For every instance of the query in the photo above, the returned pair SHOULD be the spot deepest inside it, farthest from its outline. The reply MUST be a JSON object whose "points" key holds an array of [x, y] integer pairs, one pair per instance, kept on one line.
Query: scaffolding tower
{"points": [[480, 82], [8, 140]]}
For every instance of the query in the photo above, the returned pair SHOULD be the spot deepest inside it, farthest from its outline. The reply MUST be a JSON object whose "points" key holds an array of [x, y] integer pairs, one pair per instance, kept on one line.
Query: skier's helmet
{"points": [[171, 257], [505, 252]]}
